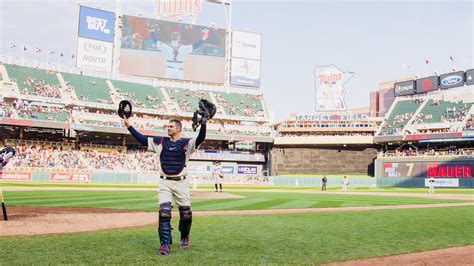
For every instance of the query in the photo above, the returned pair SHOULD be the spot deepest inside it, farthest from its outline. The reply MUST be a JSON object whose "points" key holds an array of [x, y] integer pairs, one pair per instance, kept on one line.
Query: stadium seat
{"points": [[20, 75], [88, 88], [144, 96]]}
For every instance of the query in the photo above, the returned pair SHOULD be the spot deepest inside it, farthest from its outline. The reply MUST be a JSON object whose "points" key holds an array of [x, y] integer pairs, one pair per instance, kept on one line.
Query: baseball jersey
{"points": [[157, 147], [217, 171]]}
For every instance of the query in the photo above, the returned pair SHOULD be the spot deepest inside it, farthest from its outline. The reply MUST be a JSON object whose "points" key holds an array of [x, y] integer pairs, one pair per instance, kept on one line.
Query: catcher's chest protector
{"points": [[173, 155]]}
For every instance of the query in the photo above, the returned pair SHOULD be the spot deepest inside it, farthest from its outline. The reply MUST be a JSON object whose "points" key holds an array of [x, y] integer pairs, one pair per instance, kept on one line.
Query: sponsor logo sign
{"points": [[70, 177]]}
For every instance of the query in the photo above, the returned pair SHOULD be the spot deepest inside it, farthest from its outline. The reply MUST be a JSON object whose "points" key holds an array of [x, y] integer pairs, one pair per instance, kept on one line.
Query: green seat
{"points": [[144, 96], [239, 104], [440, 109], [20, 74], [87, 88], [187, 99], [401, 108]]}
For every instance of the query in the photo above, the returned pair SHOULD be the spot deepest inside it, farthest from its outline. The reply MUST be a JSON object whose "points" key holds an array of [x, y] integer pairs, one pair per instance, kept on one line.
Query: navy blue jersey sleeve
{"points": [[142, 139]]}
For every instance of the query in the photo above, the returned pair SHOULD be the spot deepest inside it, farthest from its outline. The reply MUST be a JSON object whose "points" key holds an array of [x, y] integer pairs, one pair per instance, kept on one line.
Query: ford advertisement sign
{"points": [[452, 80]]}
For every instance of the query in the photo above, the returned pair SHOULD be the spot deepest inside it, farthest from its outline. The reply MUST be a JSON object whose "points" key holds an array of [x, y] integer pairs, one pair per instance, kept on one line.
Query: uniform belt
{"points": [[175, 178]]}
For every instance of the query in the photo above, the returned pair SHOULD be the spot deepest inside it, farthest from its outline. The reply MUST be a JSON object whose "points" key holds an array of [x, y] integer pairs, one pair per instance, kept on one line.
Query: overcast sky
{"points": [[372, 38]]}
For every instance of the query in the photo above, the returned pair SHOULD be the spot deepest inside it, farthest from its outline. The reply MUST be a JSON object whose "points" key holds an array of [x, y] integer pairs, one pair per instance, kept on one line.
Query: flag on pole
{"points": [[61, 54], [427, 61], [38, 49], [24, 48], [451, 58]]}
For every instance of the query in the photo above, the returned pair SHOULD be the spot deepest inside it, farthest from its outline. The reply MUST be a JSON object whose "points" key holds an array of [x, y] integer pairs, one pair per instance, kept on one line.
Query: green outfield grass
{"points": [[328, 176], [252, 200], [242, 187], [307, 238]]}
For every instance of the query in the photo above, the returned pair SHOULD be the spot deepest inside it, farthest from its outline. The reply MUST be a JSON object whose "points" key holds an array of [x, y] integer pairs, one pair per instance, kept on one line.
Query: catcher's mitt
{"points": [[206, 111], [125, 109]]}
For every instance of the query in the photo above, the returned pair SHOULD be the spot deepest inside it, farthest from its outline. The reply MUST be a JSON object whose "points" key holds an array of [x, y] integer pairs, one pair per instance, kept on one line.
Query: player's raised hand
{"points": [[126, 123]]}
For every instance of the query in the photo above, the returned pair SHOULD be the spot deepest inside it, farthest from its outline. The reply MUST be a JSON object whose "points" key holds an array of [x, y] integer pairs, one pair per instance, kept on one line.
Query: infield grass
{"points": [[304, 238]]}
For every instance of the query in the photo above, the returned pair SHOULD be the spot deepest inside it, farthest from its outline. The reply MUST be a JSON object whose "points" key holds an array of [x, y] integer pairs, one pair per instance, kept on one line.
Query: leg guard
{"points": [[185, 221], [164, 223]]}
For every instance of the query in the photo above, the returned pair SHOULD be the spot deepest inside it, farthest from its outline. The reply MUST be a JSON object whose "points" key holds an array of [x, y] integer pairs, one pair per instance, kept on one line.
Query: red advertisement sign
{"points": [[70, 177], [15, 176]]}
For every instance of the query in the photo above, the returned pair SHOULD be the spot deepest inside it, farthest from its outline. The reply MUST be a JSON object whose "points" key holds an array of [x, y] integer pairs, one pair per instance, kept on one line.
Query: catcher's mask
{"points": [[125, 109], [206, 111]]}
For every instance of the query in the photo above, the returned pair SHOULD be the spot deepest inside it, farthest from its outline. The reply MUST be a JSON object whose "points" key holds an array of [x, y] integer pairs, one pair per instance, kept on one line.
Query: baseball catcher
{"points": [[174, 153], [5, 155]]}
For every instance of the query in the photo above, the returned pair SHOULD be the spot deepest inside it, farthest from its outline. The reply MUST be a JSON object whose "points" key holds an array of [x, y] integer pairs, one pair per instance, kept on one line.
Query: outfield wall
{"points": [[152, 178], [328, 160], [371, 182]]}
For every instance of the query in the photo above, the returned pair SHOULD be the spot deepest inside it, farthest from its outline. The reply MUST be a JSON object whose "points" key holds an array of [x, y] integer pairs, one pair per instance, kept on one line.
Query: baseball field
{"points": [[115, 224]]}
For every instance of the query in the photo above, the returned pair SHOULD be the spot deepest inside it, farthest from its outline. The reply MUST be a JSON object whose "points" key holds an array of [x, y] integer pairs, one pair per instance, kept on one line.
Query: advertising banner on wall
{"points": [[404, 88], [427, 84], [452, 80], [95, 55], [245, 72], [95, 39], [15, 176], [443, 182], [247, 170], [96, 24], [455, 169], [330, 90], [70, 177], [470, 77], [246, 45]]}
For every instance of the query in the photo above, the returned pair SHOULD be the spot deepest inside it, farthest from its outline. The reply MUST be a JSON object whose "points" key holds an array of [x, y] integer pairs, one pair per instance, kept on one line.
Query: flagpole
{"points": [[23, 54], [10, 53]]}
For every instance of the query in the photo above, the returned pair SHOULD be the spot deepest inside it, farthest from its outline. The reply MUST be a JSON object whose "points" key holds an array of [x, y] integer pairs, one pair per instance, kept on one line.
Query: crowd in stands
{"points": [[469, 124], [242, 109], [427, 152], [41, 88], [59, 158], [28, 110], [5, 111], [326, 134]]}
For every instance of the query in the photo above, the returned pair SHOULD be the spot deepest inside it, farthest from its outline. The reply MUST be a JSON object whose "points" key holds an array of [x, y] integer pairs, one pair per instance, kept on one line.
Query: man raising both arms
{"points": [[174, 153]]}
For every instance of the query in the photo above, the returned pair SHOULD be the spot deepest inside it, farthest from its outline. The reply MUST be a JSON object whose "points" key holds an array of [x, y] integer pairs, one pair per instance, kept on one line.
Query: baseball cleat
{"points": [[164, 249], [184, 243]]}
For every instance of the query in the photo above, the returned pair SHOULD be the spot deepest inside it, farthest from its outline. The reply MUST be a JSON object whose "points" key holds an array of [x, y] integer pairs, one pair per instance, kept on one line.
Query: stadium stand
{"points": [[5, 111], [40, 111], [144, 96], [88, 88], [187, 99], [34, 81], [401, 113], [436, 111], [240, 104]]}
